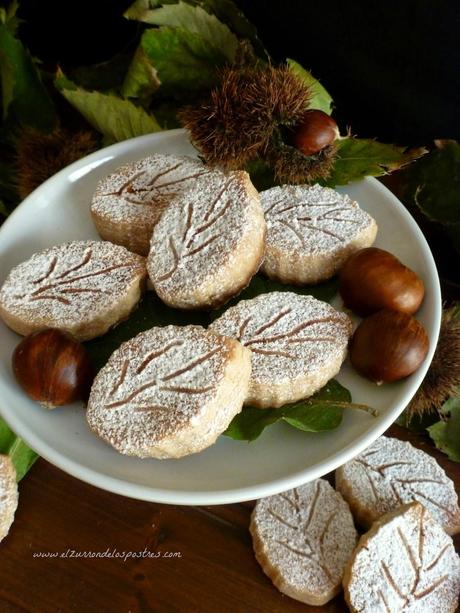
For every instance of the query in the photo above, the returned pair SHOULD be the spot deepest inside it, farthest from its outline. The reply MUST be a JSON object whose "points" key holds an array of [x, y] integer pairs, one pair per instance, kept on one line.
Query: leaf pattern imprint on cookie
{"points": [[59, 281], [277, 339], [168, 382], [133, 194], [424, 579], [296, 221], [198, 232], [306, 540], [403, 481]]}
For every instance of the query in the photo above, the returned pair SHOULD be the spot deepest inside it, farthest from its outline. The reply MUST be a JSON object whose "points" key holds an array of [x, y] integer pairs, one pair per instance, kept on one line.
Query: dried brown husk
{"points": [[40, 155], [237, 122], [442, 380], [291, 166]]}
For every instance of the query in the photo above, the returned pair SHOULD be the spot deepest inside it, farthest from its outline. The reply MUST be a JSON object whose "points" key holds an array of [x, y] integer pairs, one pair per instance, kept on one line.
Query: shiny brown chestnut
{"points": [[373, 279], [52, 368], [315, 131], [388, 346]]}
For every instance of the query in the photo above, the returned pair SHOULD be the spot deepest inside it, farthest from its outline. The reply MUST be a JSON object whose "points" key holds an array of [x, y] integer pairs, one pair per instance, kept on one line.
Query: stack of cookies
{"points": [[199, 234], [306, 542]]}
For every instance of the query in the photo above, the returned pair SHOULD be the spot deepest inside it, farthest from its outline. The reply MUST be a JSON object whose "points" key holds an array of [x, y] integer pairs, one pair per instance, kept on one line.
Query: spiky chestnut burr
{"points": [[40, 155], [443, 377]]}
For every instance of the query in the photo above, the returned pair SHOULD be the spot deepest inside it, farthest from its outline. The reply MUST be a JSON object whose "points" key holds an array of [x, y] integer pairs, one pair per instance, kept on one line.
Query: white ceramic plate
{"points": [[229, 471]]}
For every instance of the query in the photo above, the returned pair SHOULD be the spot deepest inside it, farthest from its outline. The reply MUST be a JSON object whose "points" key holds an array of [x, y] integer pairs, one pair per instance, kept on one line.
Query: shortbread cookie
{"points": [[209, 242], [303, 539], [169, 392], [8, 495], [82, 287], [298, 344], [390, 473], [406, 562], [311, 231], [128, 203]]}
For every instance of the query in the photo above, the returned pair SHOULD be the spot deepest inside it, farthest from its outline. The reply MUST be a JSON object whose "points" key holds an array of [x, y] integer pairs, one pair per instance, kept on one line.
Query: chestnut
{"points": [[373, 279], [388, 346], [52, 368], [315, 131]]}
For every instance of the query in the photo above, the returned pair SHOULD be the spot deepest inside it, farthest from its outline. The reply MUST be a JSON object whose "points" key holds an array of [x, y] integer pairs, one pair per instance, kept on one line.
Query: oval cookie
{"points": [[392, 472], [303, 539], [406, 562], [8, 495], [169, 392], [208, 243], [128, 203], [311, 231], [82, 287], [297, 343]]}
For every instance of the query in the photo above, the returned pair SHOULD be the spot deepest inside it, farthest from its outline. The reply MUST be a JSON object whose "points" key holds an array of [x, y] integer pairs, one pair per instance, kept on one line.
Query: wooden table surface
{"points": [[205, 561]]}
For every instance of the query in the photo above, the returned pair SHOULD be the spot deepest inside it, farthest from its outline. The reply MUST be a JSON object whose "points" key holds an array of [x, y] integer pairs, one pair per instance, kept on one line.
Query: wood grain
{"points": [[216, 570]]}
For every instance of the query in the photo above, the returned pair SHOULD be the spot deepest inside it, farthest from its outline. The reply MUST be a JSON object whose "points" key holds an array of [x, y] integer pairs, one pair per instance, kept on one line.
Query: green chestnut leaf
{"points": [[21, 455], [321, 412], [446, 432]]}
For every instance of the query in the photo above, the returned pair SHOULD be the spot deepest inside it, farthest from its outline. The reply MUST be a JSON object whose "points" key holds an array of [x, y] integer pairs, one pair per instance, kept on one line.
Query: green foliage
{"points": [[115, 118], [183, 55], [24, 97], [141, 80], [358, 158], [446, 432], [262, 176], [9, 18], [226, 11], [322, 411], [182, 62], [105, 76], [196, 21], [432, 184], [140, 10], [435, 184], [320, 98], [22, 456]]}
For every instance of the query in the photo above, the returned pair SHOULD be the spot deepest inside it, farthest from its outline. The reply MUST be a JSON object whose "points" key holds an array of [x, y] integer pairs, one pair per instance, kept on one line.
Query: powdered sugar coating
{"points": [[311, 219], [392, 472], [406, 562], [156, 385], [311, 232], [8, 494], [69, 285], [303, 538], [288, 334], [198, 240], [138, 191]]}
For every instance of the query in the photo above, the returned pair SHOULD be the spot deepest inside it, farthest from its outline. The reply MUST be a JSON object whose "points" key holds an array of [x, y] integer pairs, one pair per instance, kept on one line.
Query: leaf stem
{"points": [[360, 407]]}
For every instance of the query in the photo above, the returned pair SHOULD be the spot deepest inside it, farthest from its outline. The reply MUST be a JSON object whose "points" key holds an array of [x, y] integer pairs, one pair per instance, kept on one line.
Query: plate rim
{"points": [[233, 495]]}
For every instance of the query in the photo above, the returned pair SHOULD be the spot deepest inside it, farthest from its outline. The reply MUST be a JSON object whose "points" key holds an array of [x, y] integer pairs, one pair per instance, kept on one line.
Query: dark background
{"points": [[392, 67]]}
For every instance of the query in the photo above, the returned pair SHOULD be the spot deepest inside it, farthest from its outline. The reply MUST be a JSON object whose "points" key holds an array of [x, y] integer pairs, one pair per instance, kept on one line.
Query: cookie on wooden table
{"points": [[311, 231], [405, 563], [303, 539], [8, 495], [392, 472], [209, 242], [169, 392], [82, 287], [128, 203], [298, 343]]}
